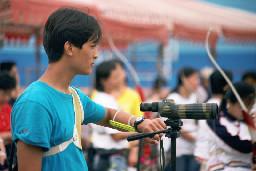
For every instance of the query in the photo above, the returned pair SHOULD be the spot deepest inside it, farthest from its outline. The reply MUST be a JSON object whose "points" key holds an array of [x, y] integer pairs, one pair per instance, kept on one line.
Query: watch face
{"points": [[137, 122], [139, 118]]}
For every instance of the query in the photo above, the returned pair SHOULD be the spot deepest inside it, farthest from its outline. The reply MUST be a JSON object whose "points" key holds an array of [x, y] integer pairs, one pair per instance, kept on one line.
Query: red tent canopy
{"points": [[22, 18], [123, 33], [185, 19]]}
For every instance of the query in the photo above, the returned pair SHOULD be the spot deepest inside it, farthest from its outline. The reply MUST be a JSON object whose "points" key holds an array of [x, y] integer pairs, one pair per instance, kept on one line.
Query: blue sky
{"points": [[248, 5]]}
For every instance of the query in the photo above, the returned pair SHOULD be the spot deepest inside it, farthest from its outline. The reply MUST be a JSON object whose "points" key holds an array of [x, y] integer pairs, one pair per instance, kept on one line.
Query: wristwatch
{"points": [[137, 122]]}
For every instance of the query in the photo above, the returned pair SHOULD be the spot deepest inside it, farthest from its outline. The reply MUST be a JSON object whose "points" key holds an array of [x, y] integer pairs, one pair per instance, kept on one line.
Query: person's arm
{"points": [[2, 152], [6, 136], [188, 136], [29, 157], [254, 167], [133, 155], [121, 135], [146, 126]]}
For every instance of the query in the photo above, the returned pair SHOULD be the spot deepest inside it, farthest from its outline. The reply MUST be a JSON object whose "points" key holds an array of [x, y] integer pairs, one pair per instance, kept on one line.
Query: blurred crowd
{"points": [[9, 87], [223, 144]]}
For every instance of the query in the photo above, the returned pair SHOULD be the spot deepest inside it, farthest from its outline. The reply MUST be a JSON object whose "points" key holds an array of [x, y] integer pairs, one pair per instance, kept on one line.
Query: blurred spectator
{"points": [[218, 87], [188, 82], [110, 155], [158, 92], [128, 100], [250, 77], [7, 84], [230, 146], [150, 155], [10, 68], [203, 91]]}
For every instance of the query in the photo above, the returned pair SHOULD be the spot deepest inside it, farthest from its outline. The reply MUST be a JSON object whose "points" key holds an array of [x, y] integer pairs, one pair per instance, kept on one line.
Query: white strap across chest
{"points": [[76, 138]]}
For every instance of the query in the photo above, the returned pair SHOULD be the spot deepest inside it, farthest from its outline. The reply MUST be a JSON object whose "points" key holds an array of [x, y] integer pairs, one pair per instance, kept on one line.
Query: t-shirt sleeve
{"points": [[32, 123], [93, 112]]}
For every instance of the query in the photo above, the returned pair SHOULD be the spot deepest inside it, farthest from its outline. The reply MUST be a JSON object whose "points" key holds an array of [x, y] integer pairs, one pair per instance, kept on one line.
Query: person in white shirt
{"points": [[218, 87], [110, 144], [250, 77], [230, 146], [188, 82]]}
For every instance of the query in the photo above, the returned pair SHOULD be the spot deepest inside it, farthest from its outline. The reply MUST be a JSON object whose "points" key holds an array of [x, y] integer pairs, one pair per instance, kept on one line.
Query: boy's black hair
{"points": [[71, 25], [217, 81], [244, 89], [7, 82]]}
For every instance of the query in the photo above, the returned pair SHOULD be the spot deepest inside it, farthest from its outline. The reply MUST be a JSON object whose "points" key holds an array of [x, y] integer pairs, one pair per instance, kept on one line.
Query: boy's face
{"points": [[84, 58], [5, 96]]}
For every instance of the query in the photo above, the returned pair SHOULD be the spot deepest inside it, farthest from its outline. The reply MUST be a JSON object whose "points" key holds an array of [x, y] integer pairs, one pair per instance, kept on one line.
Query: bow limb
{"points": [[248, 118], [123, 59], [222, 72]]}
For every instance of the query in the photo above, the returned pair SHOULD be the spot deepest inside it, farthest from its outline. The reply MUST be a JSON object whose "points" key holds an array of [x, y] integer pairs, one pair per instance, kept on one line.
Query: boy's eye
{"points": [[94, 45]]}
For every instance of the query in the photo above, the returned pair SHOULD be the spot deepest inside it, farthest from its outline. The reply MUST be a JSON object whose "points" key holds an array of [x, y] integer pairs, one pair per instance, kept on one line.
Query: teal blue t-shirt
{"points": [[43, 116]]}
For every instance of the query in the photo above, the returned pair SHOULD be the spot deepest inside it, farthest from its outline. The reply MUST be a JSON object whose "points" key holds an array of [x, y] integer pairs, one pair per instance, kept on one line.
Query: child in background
{"points": [[230, 147], [7, 85]]}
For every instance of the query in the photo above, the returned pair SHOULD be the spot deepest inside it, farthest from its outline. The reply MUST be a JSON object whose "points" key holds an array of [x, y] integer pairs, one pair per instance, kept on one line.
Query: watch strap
{"points": [[137, 122]]}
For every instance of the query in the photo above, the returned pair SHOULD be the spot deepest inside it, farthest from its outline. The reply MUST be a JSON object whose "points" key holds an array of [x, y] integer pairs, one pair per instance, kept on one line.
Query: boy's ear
{"points": [[68, 48]]}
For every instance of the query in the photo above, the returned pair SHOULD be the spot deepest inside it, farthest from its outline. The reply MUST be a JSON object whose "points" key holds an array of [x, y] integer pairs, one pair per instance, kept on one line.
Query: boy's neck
{"points": [[57, 77]]}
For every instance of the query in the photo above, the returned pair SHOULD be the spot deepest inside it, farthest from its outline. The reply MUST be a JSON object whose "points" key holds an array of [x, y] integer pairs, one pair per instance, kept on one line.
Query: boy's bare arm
{"points": [[146, 126], [29, 157]]}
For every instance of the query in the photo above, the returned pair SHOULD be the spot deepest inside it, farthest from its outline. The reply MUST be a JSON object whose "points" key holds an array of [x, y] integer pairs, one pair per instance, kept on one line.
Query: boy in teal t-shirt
{"points": [[43, 120], [46, 109]]}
